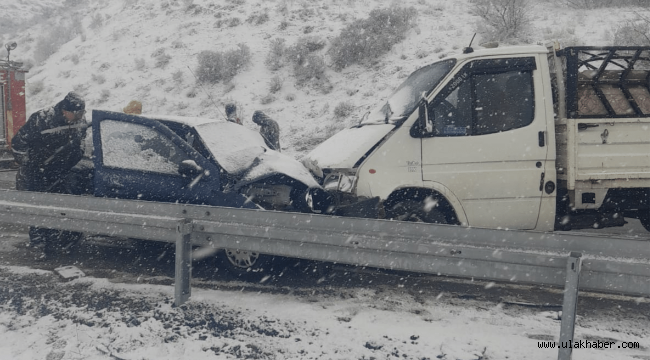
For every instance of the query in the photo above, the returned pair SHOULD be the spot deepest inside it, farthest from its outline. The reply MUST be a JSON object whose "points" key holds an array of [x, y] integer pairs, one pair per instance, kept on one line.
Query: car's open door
{"points": [[137, 157]]}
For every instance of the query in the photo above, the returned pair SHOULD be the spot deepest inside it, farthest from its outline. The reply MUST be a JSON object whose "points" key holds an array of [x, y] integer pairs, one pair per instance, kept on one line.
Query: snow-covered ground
{"points": [[112, 60], [125, 317]]}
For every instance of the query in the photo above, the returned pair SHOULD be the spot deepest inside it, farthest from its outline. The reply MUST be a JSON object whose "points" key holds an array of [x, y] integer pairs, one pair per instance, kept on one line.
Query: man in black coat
{"points": [[46, 148], [269, 130]]}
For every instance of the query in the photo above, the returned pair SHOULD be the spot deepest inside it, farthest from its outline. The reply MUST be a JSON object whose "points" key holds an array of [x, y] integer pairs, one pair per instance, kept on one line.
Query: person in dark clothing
{"points": [[269, 129], [46, 148], [231, 113]]}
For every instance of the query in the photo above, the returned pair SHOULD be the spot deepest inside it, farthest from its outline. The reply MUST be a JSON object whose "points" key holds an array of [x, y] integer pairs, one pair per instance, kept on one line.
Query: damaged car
{"points": [[194, 161]]}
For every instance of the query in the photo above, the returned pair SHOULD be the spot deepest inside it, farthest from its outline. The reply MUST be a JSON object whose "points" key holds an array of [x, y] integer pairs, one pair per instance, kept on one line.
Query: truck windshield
{"points": [[403, 101]]}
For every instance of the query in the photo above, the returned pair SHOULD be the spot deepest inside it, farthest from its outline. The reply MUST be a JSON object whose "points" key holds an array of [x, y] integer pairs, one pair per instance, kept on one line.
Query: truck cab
{"points": [[469, 140]]}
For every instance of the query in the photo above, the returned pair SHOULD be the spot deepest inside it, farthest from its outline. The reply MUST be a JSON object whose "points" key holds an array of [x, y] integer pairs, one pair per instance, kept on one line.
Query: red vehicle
{"points": [[12, 104]]}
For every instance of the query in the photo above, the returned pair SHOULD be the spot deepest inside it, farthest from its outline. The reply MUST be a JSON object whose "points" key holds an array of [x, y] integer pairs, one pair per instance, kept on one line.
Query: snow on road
{"points": [[131, 316]]}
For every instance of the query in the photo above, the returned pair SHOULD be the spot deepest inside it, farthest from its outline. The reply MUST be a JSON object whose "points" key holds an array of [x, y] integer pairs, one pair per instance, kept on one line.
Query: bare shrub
{"points": [[299, 55], [54, 38], [96, 21], [104, 96], [81, 89], [290, 97], [258, 19], [503, 20], [100, 79], [178, 76], [275, 58], [162, 60], [267, 99], [365, 40], [36, 87], [634, 33], [311, 43], [566, 36], [139, 64], [594, 4], [275, 84], [312, 67], [70, 57], [222, 66], [232, 22], [343, 109]]}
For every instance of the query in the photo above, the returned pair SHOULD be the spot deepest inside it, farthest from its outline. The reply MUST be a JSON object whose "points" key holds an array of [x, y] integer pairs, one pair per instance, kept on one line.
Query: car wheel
{"points": [[416, 211], [242, 259], [251, 264]]}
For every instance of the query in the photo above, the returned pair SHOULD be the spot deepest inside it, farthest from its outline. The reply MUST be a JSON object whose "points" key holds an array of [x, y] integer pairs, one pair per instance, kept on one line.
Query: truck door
{"points": [[140, 158], [486, 142]]}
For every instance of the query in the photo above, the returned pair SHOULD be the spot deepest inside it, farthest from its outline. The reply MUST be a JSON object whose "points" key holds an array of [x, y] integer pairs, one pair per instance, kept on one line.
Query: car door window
{"points": [[137, 147], [483, 103]]}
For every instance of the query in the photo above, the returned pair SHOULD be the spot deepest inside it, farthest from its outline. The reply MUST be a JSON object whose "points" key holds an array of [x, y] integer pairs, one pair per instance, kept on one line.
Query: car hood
{"points": [[243, 153], [344, 149], [271, 163]]}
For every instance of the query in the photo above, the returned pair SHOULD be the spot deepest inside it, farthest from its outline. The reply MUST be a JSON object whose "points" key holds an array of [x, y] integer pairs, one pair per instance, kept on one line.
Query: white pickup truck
{"points": [[526, 137]]}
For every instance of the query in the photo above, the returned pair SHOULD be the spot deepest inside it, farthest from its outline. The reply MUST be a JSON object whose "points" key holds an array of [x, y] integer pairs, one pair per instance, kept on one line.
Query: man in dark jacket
{"points": [[46, 148], [269, 129]]}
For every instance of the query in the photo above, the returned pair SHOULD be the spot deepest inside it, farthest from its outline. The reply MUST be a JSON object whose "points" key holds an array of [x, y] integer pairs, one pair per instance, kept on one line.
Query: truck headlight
{"points": [[343, 180]]}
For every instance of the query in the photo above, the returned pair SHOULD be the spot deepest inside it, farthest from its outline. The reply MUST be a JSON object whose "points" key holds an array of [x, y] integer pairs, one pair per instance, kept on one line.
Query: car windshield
{"points": [[403, 101]]}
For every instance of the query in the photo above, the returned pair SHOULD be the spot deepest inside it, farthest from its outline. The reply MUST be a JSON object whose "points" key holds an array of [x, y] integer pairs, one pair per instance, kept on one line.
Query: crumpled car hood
{"points": [[272, 163], [243, 153]]}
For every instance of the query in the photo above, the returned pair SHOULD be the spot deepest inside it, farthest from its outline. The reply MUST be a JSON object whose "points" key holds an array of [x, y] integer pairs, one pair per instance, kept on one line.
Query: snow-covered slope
{"points": [[114, 55]]}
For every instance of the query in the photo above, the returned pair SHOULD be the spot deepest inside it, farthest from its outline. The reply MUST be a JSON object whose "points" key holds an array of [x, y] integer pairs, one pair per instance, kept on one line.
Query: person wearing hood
{"points": [[269, 130], [46, 148], [231, 113]]}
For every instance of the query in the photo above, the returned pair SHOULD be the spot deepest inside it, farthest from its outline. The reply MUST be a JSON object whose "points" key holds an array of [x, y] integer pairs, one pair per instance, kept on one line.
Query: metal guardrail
{"points": [[609, 264]]}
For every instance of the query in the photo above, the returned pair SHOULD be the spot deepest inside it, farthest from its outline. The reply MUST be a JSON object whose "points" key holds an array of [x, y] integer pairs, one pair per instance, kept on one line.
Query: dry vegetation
{"points": [[306, 49]]}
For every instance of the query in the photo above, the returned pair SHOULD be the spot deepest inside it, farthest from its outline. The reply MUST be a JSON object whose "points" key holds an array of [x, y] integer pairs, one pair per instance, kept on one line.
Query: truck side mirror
{"points": [[424, 116]]}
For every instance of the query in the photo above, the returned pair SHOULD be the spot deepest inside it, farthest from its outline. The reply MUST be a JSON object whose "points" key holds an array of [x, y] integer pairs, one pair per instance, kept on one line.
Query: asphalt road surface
{"points": [[154, 263]]}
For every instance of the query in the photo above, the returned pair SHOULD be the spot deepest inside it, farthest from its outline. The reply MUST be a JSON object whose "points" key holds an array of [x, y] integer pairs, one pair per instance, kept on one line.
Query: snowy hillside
{"points": [[148, 49]]}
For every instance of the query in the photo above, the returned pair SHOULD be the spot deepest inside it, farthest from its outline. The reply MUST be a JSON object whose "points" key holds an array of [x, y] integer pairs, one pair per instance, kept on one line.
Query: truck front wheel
{"points": [[413, 210]]}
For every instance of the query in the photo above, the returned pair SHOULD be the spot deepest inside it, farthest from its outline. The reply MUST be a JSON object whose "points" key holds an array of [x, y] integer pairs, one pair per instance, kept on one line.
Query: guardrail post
{"points": [[182, 290], [569, 306]]}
